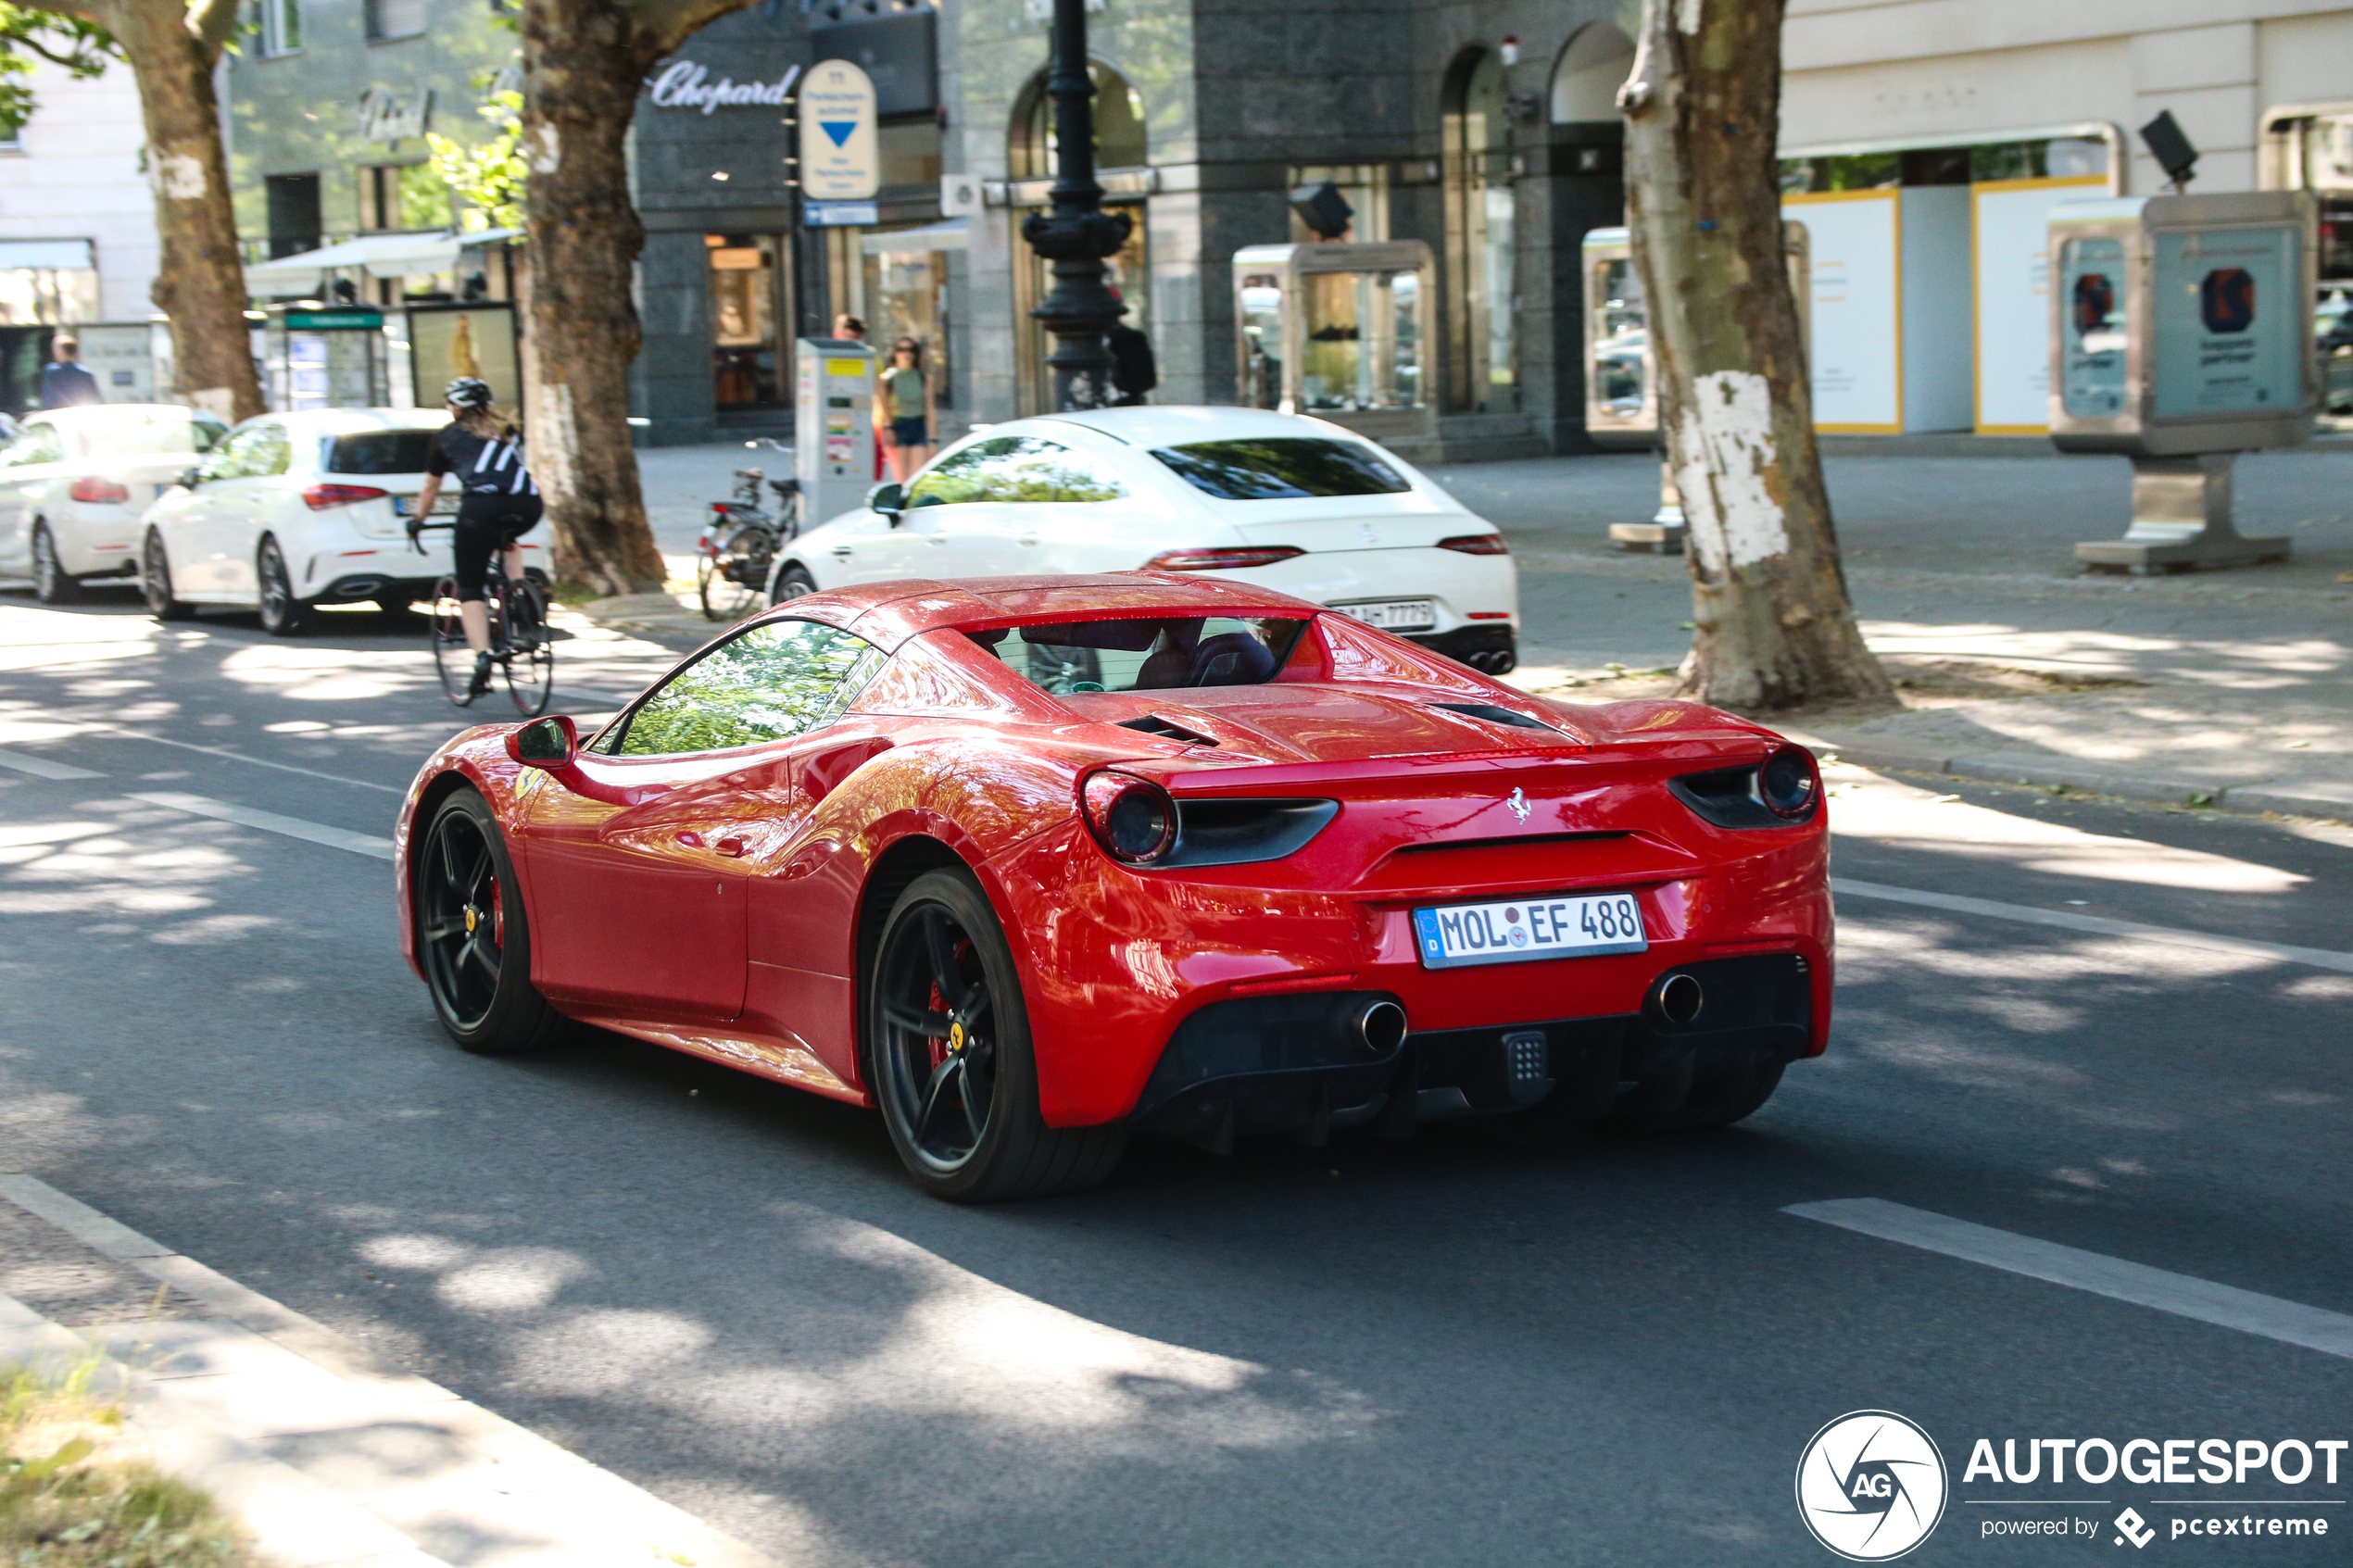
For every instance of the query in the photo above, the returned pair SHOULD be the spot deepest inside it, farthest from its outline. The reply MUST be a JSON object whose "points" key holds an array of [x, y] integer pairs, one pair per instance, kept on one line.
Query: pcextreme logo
{"points": [[1871, 1486]]}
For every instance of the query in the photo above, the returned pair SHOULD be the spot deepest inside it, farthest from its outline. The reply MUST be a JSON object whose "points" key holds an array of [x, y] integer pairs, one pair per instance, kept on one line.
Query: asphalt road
{"points": [[1453, 1350]]}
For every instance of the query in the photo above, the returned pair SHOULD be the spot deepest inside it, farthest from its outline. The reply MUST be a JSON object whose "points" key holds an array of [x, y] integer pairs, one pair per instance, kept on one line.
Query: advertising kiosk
{"points": [[2180, 336], [1621, 382], [1341, 329], [325, 357], [833, 425]]}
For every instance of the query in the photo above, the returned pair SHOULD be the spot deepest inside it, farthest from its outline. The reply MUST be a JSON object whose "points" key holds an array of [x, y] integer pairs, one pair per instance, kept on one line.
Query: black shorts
{"points": [[911, 432], [485, 525]]}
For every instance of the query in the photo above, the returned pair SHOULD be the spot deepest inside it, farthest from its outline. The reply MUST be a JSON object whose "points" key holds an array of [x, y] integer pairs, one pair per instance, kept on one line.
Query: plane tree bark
{"points": [[200, 285], [1775, 627], [583, 61]]}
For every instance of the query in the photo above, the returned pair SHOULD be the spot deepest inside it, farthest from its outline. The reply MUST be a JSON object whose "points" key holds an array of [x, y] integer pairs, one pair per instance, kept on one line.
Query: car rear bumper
{"points": [[1459, 586], [1291, 1065]]}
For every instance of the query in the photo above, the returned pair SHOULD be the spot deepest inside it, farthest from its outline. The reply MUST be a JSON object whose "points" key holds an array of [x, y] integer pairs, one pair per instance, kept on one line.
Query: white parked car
{"points": [[74, 482], [1296, 504], [295, 510]]}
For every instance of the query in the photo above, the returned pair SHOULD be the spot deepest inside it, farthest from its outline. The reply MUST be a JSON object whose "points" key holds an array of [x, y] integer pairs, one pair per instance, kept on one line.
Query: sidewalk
{"points": [[330, 1457]]}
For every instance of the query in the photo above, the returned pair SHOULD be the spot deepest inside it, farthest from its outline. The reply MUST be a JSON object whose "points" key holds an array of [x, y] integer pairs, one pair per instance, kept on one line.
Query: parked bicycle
{"points": [[520, 644], [738, 546]]}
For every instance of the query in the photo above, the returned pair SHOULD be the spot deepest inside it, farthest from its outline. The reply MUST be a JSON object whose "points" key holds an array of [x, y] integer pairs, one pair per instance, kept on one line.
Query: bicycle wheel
{"points": [[529, 661], [730, 580], [451, 655]]}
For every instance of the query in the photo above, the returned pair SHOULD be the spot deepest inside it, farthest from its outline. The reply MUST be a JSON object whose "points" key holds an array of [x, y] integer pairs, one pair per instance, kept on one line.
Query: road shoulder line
{"points": [[262, 1390], [2291, 1323], [2097, 925], [269, 822], [41, 768]]}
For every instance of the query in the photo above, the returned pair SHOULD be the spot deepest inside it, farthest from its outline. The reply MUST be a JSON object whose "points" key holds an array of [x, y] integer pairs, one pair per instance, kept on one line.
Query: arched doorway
{"points": [[1589, 74], [1482, 347], [1120, 145]]}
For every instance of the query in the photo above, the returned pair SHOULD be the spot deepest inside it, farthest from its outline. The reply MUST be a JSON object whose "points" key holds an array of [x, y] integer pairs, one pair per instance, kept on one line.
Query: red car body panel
{"points": [[712, 903]]}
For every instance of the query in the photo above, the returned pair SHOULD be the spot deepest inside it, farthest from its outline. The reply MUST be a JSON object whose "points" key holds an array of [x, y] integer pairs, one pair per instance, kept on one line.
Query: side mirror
{"points": [[549, 743], [190, 477], [889, 498]]}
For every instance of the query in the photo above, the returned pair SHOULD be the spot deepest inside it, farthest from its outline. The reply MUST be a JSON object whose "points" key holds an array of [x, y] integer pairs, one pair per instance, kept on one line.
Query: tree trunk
{"points": [[583, 61], [200, 282], [1703, 105]]}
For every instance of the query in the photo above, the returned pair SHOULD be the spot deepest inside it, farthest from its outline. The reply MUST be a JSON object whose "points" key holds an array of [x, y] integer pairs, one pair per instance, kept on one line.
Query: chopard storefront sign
{"points": [[683, 84]]}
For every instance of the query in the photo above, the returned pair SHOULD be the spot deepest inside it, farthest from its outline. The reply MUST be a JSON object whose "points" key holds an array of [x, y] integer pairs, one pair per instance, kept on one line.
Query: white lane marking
{"points": [[269, 822], [41, 768], [2182, 1295], [2318, 958], [241, 756]]}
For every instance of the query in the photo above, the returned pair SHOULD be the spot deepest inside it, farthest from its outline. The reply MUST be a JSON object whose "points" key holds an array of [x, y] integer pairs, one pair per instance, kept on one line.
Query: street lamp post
{"points": [[1076, 234]]}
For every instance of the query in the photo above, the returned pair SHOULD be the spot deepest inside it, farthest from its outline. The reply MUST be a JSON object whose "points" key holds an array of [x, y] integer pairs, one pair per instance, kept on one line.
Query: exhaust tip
{"points": [[1679, 1000], [1380, 1025]]}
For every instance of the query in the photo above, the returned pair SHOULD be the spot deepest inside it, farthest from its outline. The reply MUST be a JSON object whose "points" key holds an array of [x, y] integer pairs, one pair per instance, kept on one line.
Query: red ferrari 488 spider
{"points": [[1031, 864]]}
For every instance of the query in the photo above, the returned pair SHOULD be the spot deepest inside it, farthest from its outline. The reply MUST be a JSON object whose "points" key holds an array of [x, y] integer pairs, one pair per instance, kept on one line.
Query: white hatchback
{"points": [[1296, 504], [74, 482], [297, 510]]}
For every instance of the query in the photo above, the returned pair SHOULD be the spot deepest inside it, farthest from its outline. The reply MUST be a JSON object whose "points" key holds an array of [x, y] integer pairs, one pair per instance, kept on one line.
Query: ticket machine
{"points": [[2180, 336], [1621, 380], [1341, 329], [833, 425]]}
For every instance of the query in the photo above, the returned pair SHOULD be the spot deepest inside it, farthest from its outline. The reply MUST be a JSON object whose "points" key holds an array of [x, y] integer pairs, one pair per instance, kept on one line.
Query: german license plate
{"points": [[1393, 615], [444, 504], [1451, 935]]}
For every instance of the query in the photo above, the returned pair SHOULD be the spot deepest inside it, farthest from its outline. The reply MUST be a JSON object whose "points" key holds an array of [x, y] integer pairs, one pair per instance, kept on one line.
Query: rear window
{"points": [[117, 437], [1282, 466], [1145, 655], [379, 451]]}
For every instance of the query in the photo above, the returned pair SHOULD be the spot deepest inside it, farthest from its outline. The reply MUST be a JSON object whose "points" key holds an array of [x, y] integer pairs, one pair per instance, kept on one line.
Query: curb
{"points": [[2043, 772], [330, 1457]]}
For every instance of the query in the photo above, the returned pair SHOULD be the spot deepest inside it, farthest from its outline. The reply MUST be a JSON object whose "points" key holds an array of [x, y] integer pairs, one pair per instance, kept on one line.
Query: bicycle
{"points": [[520, 645], [737, 551]]}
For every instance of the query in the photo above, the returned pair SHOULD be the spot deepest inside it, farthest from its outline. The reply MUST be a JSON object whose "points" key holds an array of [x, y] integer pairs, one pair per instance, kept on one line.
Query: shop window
{"points": [[1119, 127], [1364, 186], [1361, 346], [394, 19], [47, 282], [291, 201], [905, 294], [281, 27], [1483, 358], [744, 276]]}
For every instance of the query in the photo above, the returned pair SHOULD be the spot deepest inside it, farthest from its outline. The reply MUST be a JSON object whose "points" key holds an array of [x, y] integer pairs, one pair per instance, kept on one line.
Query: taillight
{"points": [[1133, 818], [1476, 544], [318, 497], [1233, 559], [1788, 782], [104, 492]]}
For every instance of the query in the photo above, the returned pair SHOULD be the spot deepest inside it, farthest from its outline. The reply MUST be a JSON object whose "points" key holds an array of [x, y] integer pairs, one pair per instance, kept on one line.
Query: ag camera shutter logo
{"points": [[1871, 1486]]}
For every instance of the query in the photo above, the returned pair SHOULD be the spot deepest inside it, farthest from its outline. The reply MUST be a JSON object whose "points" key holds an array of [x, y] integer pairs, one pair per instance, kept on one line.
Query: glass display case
{"points": [[1338, 330]]}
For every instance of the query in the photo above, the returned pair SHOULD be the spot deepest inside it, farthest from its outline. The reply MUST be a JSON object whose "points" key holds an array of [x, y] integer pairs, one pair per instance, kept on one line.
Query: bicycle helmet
{"points": [[467, 392]]}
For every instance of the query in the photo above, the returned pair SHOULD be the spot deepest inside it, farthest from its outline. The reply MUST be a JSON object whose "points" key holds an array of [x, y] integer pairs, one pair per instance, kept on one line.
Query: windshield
{"points": [[146, 436], [1282, 466], [380, 451], [1145, 655]]}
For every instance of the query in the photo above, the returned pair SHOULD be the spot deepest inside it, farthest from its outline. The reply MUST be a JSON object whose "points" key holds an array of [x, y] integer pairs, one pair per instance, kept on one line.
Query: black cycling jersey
{"points": [[485, 465]]}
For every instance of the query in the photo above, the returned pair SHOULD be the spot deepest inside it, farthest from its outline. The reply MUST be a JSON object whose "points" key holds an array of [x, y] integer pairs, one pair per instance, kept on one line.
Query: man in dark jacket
{"points": [[1133, 373], [64, 383]]}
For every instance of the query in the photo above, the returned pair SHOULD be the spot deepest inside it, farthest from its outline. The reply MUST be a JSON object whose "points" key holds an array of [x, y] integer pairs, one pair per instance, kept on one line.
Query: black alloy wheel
{"points": [[52, 583], [791, 583], [949, 1055], [155, 582], [281, 613], [473, 941]]}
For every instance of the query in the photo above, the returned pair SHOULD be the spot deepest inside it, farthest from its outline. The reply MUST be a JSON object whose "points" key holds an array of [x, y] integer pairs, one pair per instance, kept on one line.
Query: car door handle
{"points": [[1032, 540], [691, 840], [841, 552]]}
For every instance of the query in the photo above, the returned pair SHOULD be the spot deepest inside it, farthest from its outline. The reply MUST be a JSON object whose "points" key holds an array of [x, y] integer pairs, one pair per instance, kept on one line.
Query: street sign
{"points": [[836, 215], [839, 159], [330, 321]]}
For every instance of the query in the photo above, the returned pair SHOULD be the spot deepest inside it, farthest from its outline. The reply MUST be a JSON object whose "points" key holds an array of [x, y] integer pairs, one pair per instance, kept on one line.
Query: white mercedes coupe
{"points": [[1294, 503]]}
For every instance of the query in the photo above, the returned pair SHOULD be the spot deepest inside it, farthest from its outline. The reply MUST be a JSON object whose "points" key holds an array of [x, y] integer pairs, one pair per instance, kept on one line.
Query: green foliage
{"points": [[772, 683], [489, 178], [82, 47]]}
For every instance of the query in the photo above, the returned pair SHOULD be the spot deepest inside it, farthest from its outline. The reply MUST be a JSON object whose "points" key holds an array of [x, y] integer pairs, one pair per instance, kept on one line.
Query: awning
{"points": [[383, 255], [951, 235]]}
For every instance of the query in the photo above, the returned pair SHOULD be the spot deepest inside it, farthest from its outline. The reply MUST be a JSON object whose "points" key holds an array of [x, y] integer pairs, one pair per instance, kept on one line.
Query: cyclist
{"points": [[499, 504]]}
